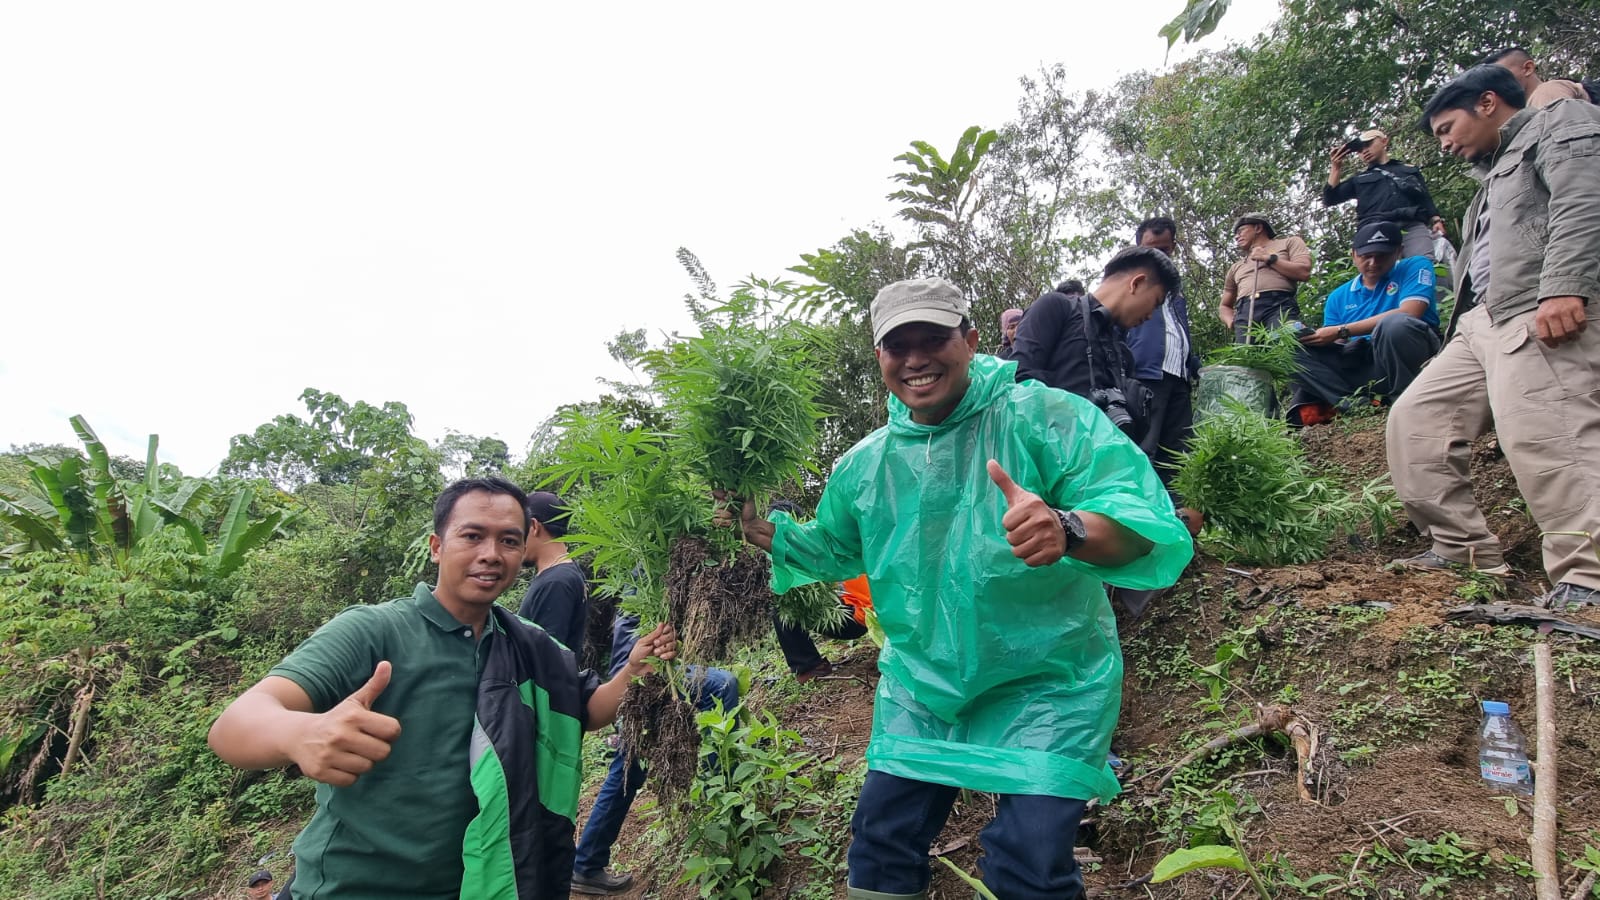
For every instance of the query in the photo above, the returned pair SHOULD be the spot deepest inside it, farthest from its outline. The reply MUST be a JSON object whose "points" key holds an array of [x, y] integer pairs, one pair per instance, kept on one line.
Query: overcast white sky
{"points": [[207, 207]]}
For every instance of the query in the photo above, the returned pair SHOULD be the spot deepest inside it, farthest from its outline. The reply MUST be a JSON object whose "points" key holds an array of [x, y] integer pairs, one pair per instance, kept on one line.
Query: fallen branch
{"points": [[1269, 719], [80, 727], [1544, 779]]}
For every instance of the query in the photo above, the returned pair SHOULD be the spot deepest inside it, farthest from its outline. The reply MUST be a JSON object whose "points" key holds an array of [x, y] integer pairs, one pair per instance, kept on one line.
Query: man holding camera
{"points": [[1073, 343], [1377, 330], [1388, 191], [1264, 283]]}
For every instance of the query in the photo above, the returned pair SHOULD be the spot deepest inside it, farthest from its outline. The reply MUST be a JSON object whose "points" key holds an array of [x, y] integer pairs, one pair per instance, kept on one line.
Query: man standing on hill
{"points": [[1388, 191], [1260, 289], [1525, 356], [1377, 330], [986, 515], [444, 730], [1164, 359]]}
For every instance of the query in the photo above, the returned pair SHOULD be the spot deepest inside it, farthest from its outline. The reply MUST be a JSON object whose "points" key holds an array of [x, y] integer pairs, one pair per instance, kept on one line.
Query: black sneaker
{"points": [[1429, 561], [1568, 597], [602, 882], [821, 670]]}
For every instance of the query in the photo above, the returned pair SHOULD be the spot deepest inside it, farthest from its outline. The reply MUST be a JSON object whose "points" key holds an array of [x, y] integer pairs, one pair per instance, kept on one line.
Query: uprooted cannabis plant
{"points": [[1262, 501]]}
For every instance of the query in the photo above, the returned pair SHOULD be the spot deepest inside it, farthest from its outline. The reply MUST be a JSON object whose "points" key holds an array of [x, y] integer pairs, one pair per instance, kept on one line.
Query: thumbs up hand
{"points": [[340, 745], [1032, 528]]}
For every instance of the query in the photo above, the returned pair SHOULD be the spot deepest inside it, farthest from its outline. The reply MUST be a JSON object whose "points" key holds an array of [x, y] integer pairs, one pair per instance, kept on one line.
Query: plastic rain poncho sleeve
{"points": [[996, 676]]}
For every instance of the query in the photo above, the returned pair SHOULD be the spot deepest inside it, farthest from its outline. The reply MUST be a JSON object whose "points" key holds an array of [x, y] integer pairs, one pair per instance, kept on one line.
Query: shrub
{"points": [[1261, 499]]}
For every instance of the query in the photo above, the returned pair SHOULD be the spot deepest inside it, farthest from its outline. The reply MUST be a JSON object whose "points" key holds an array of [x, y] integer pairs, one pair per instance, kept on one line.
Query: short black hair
{"points": [[1155, 223], [1145, 259], [1463, 91], [1071, 286], [446, 504], [1502, 53]]}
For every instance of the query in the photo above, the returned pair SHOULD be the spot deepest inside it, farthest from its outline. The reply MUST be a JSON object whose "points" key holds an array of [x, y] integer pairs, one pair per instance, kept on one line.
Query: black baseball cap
{"points": [[1376, 237], [550, 511], [258, 877]]}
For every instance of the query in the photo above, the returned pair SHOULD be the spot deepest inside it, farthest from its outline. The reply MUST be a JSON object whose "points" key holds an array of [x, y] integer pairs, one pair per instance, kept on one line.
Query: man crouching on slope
{"points": [[445, 731], [986, 515]]}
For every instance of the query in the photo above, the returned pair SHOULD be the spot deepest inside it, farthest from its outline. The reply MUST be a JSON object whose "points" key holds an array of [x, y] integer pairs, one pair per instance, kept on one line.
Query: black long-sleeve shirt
{"points": [[1389, 192], [1051, 346]]}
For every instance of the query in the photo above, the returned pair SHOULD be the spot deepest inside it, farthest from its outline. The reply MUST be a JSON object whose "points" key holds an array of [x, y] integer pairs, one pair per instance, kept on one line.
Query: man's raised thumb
{"points": [[368, 693], [1009, 488]]}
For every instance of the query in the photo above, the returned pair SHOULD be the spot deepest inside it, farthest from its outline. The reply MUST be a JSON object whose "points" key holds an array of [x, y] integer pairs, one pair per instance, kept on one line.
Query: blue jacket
{"points": [[1149, 341]]}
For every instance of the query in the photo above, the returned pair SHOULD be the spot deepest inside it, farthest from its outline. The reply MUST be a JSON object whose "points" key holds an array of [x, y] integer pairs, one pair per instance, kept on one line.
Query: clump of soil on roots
{"points": [[657, 727], [717, 602]]}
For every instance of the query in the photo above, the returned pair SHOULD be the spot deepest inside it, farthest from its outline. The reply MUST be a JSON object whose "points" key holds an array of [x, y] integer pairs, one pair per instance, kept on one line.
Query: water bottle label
{"points": [[1504, 774]]}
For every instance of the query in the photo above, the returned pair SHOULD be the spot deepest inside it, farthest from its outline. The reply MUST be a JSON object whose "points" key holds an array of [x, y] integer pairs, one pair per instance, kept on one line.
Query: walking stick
{"points": [[1250, 314]]}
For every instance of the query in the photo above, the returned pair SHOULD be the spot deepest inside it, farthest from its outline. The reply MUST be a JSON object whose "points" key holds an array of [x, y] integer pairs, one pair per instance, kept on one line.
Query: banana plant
{"points": [[82, 507]]}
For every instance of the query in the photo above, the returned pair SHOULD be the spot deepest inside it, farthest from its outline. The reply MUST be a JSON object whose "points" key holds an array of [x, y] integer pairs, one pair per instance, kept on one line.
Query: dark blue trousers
{"points": [[1027, 849]]}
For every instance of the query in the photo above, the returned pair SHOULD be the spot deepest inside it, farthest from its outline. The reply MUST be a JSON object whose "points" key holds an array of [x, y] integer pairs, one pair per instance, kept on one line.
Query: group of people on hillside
{"points": [[988, 516]]}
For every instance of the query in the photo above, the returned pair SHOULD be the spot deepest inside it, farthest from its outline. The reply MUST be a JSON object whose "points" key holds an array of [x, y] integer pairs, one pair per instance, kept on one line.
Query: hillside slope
{"points": [[1362, 652]]}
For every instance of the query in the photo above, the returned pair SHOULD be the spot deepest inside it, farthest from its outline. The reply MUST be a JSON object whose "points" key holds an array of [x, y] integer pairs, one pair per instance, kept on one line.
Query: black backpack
{"points": [[1592, 86]]}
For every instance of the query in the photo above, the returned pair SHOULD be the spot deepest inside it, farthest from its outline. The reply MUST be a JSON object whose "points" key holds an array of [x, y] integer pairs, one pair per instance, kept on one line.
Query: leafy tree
{"points": [[470, 456], [845, 278], [335, 444]]}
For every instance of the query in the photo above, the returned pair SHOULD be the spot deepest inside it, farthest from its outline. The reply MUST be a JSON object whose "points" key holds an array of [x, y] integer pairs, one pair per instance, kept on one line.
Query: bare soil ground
{"points": [[1359, 649]]}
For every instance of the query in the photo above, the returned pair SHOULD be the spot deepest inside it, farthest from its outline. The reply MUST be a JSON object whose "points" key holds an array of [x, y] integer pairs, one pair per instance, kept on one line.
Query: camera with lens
{"points": [[1114, 404], [1355, 145]]}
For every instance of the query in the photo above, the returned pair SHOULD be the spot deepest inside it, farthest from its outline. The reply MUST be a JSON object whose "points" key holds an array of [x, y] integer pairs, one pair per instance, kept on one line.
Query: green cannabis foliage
{"points": [[1261, 499], [743, 399], [631, 495], [1271, 350]]}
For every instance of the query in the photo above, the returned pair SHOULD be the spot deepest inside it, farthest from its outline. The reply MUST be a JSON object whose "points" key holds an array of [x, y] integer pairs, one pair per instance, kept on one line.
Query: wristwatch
{"points": [[1344, 332], [1272, 259], [1072, 526]]}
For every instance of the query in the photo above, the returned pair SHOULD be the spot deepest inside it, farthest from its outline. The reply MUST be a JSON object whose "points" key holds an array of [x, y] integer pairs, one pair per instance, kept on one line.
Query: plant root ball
{"points": [[658, 730], [717, 602]]}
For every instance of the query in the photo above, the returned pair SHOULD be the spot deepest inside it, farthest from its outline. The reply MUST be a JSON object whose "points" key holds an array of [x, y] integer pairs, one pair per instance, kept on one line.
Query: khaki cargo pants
{"points": [[1544, 404]]}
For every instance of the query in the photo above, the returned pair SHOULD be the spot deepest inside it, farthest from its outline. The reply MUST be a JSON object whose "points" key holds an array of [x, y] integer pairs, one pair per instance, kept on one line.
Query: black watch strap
{"points": [[1077, 535]]}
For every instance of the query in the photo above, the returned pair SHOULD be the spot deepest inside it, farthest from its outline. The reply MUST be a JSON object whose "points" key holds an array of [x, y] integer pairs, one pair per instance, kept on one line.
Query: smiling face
{"points": [[925, 366], [1471, 134], [479, 553]]}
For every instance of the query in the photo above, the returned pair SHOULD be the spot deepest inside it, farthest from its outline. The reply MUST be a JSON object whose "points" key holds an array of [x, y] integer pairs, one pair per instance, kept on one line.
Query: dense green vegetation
{"points": [[135, 600]]}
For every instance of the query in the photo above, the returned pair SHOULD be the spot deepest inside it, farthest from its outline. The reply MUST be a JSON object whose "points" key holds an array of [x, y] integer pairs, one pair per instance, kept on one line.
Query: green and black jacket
{"points": [[527, 740]]}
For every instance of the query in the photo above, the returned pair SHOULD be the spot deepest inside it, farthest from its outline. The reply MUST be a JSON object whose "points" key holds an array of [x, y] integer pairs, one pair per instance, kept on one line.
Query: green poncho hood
{"points": [[996, 676]]}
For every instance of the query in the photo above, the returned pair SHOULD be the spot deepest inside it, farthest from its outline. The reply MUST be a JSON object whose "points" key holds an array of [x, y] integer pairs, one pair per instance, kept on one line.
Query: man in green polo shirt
{"points": [[427, 766]]}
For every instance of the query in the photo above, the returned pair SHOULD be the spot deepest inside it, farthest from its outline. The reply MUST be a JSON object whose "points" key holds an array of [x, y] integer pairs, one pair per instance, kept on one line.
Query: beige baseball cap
{"points": [[1372, 134], [917, 300]]}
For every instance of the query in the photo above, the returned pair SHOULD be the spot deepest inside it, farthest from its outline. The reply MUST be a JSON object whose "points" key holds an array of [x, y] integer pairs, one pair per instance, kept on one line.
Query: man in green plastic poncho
{"points": [[986, 515]]}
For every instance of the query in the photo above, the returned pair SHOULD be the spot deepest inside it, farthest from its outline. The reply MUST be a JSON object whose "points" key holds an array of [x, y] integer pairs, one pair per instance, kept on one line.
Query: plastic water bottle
{"points": [[1503, 751]]}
